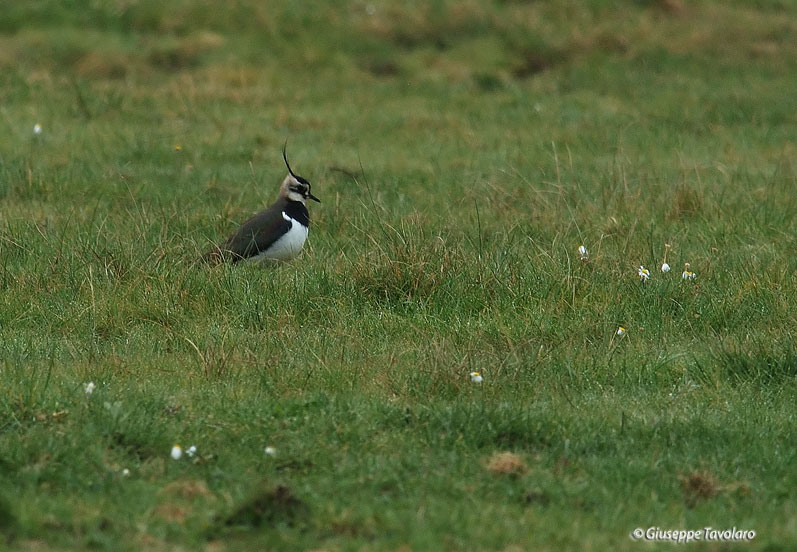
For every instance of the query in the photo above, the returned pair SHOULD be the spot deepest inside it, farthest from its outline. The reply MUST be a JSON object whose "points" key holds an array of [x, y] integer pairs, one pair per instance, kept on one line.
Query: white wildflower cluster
{"points": [[644, 274], [177, 452]]}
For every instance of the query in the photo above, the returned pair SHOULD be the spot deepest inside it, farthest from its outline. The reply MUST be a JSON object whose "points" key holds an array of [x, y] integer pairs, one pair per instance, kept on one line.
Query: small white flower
{"points": [[191, 451], [177, 452], [664, 260], [271, 451], [90, 386], [583, 253], [476, 377], [125, 473], [688, 274], [37, 129], [643, 273], [621, 331]]}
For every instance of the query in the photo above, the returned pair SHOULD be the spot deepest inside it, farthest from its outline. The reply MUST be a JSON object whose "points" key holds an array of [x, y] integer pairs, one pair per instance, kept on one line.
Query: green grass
{"points": [[462, 151]]}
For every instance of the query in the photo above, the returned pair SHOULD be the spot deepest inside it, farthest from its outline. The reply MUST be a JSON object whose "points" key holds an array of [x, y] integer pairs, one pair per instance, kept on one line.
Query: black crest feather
{"points": [[285, 157]]}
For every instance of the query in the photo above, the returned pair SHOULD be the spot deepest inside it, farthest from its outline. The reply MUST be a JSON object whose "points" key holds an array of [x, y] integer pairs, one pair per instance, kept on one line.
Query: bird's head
{"points": [[295, 187]]}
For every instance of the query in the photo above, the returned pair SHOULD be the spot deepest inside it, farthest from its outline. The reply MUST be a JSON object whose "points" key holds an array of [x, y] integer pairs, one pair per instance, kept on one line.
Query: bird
{"points": [[277, 233]]}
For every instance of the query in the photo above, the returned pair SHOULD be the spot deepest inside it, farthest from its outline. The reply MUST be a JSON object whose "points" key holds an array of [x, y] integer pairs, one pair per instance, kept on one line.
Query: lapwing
{"points": [[275, 234]]}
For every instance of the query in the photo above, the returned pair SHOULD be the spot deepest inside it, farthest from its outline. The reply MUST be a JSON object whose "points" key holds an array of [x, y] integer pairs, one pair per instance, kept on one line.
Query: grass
{"points": [[463, 151]]}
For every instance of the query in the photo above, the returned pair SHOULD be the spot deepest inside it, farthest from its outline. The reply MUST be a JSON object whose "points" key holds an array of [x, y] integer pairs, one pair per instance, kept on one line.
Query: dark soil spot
{"points": [[698, 486], [266, 506]]}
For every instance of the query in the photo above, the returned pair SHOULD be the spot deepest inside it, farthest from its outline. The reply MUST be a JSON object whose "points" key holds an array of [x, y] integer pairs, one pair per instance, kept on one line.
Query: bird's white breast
{"points": [[289, 244]]}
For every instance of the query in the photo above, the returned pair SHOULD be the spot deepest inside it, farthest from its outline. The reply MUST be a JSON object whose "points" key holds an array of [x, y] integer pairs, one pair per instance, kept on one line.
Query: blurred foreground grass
{"points": [[463, 151]]}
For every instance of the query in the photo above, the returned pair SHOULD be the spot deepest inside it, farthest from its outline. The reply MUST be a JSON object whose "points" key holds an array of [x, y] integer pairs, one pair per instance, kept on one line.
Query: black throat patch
{"points": [[298, 212]]}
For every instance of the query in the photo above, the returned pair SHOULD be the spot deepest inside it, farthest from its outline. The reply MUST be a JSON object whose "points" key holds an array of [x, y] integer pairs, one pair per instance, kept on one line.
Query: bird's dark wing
{"points": [[254, 236]]}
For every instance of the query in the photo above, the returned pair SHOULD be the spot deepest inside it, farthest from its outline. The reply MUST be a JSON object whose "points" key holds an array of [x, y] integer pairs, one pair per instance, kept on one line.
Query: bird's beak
{"points": [[314, 198]]}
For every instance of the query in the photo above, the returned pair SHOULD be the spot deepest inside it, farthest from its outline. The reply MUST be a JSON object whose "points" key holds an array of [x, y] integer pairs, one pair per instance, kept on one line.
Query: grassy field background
{"points": [[462, 151]]}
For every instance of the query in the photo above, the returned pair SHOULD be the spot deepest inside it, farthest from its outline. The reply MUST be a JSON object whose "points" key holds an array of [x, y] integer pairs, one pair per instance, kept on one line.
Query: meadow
{"points": [[462, 151]]}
